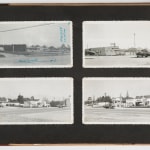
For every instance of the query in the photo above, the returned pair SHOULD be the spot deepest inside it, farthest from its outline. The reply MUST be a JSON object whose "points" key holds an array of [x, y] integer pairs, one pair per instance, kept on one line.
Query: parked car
{"points": [[109, 106], [143, 53], [60, 106], [90, 53]]}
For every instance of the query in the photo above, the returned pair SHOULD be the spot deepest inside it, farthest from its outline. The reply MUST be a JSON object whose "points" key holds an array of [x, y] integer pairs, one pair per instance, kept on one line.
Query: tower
{"points": [[127, 95], [120, 97]]}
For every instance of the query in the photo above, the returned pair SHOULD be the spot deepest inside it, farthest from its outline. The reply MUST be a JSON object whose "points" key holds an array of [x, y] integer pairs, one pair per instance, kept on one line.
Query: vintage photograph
{"points": [[36, 44], [119, 44], [36, 101], [78, 146], [116, 100]]}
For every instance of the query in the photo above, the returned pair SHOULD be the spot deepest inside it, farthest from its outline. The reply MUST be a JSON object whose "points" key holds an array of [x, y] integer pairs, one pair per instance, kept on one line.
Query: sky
{"points": [[102, 33], [37, 87], [48, 33], [115, 86]]}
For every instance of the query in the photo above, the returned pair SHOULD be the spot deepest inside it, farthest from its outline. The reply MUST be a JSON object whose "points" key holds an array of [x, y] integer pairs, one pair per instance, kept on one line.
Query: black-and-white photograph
{"points": [[108, 44], [36, 44], [78, 146], [116, 100], [36, 101]]}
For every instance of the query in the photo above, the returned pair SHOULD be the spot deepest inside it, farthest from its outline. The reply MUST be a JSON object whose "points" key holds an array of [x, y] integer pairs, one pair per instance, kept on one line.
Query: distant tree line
{"points": [[3, 99], [58, 103], [63, 46], [99, 100], [104, 99], [20, 99]]}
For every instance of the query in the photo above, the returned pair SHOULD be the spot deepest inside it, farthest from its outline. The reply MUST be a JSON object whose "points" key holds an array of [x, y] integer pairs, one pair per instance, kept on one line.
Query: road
{"points": [[117, 116], [49, 115], [116, 61]]}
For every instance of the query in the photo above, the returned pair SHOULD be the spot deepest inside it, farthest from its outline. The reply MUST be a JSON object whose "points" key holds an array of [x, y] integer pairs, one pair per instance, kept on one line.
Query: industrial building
{"points": [[13, 48], [111, 50], [102, 51]]}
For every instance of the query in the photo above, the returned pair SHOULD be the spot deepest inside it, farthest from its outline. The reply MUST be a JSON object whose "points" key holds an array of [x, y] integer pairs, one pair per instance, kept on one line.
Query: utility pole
{"points": [[134, 40], [121, 100], [105, 98], [13, 48], [127, 95]]}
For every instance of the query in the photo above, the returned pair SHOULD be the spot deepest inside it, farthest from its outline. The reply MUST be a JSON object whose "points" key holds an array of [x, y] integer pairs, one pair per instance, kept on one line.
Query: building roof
{"points": [[145, 96]]}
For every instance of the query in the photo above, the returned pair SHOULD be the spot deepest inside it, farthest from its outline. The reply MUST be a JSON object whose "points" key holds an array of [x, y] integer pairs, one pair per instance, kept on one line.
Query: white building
{"points": [[118, 102]]}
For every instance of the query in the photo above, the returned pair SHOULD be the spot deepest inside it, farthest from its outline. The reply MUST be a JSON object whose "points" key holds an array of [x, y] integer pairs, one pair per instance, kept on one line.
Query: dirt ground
{"points": [[27, 61], [116, 61], [117, 116], [48, 115]]}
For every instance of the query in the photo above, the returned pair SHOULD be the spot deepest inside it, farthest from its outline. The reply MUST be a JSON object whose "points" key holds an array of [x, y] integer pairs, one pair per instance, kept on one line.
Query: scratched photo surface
{"points": [[36, 44], [116, 100], [36, 101], [118, 44]]}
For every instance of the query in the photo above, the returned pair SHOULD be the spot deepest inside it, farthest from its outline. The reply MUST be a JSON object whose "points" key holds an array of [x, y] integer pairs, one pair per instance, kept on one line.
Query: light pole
{"points": [[134, 40]]}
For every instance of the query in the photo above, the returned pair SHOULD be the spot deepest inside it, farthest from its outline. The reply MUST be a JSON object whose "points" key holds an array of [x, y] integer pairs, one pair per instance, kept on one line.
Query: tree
{"points": [[63, 46], [104, 99], [56, 103], [44, 46], [3, 99], [52, 48], [108, 99], [32, 98], [20, 99]]}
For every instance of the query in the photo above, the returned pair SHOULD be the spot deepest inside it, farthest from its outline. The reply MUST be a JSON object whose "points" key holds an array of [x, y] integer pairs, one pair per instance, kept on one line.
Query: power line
{"points": [[26, 27]]}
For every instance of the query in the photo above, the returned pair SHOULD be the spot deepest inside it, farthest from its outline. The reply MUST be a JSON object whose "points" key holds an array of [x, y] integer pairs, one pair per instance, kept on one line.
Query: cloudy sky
{"points": [[116, 86], [37, 87], [102, 33], [33, 33]]}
